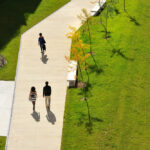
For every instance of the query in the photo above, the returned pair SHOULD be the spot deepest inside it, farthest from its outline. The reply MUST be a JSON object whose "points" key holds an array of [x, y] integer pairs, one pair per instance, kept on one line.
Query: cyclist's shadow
{"points": [[44, 58]]}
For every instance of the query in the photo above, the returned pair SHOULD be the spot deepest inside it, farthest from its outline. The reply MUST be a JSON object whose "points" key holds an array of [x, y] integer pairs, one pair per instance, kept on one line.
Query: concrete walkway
{"points": [[33, 131], [6, 97]]}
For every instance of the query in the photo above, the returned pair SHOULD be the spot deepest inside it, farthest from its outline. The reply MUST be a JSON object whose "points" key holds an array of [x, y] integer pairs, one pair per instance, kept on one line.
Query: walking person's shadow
{"points": [[36, 116], [44, 58], [51, 117]]}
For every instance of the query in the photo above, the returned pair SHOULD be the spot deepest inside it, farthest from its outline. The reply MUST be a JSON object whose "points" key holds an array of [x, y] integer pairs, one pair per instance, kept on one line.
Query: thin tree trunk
{"points": [[85, 64], [91, 44], [124, 5], [80, 71], [89, 115], [89, 36], [84, 88], [106, 23], [100, 17]]}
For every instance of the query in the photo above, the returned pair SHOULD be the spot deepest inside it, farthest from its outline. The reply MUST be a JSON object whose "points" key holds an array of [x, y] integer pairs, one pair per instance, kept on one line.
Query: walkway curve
{"points": [[25, 132]]}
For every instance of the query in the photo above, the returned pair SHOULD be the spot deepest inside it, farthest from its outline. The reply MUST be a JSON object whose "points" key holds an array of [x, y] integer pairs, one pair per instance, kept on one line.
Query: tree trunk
{"points": [[89, 115], [80, 71], [91, 43], [124, 5], [85, 64], [89, 36], [84, 88], [106, 22]]}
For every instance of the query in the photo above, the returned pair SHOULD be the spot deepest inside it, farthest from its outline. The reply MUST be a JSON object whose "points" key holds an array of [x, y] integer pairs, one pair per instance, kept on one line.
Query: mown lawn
{"points": [[2, 142], [119, 97], [17, 16]]}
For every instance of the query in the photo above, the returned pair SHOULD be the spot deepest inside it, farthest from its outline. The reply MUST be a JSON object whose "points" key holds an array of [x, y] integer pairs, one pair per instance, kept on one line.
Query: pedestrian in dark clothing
{"points": [[47, 95], [41, 42], [33, 96]]}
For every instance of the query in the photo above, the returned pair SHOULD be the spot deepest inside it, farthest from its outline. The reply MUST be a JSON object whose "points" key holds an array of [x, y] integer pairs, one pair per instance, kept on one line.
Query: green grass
{"points": [[17, 16], [2, 142], [119, 97]]}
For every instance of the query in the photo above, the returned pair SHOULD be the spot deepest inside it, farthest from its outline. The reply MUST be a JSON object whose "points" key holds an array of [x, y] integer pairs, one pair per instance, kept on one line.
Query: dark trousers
{"points": [[41, 48], [33, 102]]}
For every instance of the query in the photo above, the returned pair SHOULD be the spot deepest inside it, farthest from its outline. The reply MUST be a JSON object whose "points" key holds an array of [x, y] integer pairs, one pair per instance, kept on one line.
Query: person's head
{"points": [[40, 34], [46, 82], [32, 89]]}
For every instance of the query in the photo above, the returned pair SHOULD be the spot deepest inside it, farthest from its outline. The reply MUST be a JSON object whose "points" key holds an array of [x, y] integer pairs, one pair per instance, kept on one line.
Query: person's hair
{"points": [[33, 89], [40, 34], [46, 82]]}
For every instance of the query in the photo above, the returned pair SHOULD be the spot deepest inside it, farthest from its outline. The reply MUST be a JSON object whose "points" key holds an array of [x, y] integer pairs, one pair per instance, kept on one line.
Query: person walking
{"points": [[41, 42], [47, 95], [33, 96]]}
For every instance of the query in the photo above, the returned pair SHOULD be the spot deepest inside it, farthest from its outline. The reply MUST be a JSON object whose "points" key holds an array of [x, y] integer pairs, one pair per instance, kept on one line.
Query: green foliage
{"points": [[2, 142], [118, 96], [17, 16]]}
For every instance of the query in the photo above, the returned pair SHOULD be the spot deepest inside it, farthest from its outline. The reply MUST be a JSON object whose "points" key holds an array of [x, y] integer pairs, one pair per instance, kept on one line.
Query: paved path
{"points": [[6, 97], [25, 132]]}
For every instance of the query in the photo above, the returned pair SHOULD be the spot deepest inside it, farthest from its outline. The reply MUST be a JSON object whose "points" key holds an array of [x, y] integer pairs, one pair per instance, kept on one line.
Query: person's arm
{"points": [[36, 94], [29, 95], [50, 90], [38, 41], [43, 92], [44, 40]]}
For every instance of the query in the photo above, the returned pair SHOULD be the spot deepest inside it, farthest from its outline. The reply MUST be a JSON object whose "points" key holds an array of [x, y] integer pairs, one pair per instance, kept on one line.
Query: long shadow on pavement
{"points": [[36, 116], [51, 117], [44, 58]]}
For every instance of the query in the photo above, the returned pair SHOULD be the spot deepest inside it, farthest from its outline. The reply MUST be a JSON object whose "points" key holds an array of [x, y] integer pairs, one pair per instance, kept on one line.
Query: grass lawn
{"points": [[119, 96], [17, 16], [2, 142]]}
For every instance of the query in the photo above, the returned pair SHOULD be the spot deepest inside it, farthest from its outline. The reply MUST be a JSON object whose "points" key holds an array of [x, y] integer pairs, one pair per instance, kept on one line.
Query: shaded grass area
{"points": [[118, 98], [17, 17], [2, 142]]}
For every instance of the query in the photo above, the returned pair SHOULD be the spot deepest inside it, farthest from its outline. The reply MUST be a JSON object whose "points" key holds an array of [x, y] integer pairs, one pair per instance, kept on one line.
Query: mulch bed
{"points": [[80, 85]]}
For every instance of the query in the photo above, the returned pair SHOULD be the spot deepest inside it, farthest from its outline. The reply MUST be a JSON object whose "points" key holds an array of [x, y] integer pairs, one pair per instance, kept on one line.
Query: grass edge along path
{"points": [[119, 96], [10, 50], [2, 142]]}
